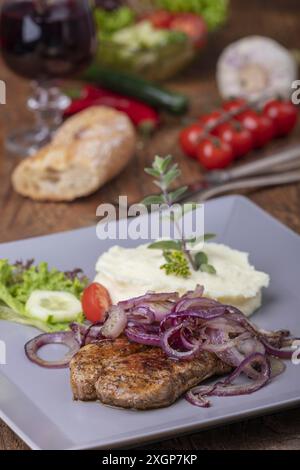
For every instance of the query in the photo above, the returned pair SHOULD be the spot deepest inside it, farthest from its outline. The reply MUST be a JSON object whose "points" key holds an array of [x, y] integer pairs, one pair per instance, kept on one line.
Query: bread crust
{"points": [[87, 151]]}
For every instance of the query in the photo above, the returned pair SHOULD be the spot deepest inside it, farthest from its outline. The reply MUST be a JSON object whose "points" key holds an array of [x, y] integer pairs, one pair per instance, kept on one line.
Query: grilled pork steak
{"points": [[131, 375], [87, 365]]}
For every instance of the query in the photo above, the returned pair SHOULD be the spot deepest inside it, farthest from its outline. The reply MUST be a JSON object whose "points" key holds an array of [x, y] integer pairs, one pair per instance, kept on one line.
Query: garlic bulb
{"points": [[255, 66]]}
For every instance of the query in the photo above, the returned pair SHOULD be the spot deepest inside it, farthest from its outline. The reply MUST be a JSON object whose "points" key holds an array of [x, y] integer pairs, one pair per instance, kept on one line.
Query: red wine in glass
{"points": [[44, 40]]}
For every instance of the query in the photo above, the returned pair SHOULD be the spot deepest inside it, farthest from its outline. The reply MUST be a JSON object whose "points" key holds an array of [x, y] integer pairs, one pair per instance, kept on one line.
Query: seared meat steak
{"points": [[131, 375], [151, 380], [87, 365]]}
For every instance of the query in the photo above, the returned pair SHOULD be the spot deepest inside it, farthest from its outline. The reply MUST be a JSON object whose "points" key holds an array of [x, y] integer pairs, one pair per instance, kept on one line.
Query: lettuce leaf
{"points": [[19, 280], [8, 314], [109, 22]]}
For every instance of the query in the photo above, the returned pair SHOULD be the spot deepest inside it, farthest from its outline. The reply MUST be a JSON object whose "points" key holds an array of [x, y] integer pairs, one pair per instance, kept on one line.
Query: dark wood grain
{"points": [[22, 218]]}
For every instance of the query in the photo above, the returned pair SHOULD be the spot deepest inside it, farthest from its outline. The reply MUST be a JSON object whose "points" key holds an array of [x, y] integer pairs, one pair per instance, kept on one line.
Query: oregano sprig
{"points": [[177, 253]]}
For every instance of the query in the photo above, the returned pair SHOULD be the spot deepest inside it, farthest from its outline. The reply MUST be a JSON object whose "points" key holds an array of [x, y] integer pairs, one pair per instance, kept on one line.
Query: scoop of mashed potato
{"points": [[130, 272]]}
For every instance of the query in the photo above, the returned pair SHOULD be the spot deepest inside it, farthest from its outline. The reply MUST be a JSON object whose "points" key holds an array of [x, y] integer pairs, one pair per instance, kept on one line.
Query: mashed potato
{"points": [[130, 272]]}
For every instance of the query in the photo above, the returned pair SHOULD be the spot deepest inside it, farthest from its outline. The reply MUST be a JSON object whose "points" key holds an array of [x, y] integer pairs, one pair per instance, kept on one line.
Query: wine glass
{"points": [[45, 40]]}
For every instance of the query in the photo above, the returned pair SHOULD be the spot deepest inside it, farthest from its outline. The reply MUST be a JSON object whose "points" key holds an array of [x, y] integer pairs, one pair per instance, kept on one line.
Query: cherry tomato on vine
{"points": [[234, 104], [260, 126], [189, 139], [95, 302], [283, 114], [214, 153], [237, 136], [210, 119]]}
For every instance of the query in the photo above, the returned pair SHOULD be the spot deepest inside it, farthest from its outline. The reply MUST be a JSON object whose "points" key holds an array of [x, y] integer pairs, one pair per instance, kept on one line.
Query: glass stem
{"points": [[48, 103]]}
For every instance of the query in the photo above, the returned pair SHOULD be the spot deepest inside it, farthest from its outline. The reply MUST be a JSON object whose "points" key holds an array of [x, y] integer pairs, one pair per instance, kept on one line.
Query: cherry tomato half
{"points": [[283, 114], [95, 302], [260, 126], [192, 25], [189, 139], [214, 154], [237, 136]]}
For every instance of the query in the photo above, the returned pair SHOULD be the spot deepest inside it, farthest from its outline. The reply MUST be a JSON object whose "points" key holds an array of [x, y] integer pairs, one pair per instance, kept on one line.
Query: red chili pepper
{"points": [[142, 115]]}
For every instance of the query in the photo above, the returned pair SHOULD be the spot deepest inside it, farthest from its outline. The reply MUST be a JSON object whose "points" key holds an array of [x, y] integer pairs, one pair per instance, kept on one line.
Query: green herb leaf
{"points": [[209, 236], [165, 245], [202, 238], [208, 268], [171, 175], [160, 184], [175, 195], [153, 200], [158, 164], [152, 172], [201, 259], [166, 163]]}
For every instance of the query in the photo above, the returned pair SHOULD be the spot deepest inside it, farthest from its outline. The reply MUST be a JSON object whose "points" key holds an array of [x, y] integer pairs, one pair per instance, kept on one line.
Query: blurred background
{"points": [[179, 46], [179, 69]]}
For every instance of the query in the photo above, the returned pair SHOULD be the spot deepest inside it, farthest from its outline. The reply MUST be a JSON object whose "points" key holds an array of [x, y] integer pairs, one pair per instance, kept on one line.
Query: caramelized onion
{"points": [[198, 395]]}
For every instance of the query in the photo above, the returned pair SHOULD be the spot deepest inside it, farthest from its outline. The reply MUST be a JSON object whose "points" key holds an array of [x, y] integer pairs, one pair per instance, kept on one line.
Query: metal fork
{"points": [[286, 159], [247, 183], [268, 171]]}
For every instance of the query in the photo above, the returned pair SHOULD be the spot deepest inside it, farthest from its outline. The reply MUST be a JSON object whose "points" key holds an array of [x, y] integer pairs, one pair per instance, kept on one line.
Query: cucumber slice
{"points": [[53, 306]]}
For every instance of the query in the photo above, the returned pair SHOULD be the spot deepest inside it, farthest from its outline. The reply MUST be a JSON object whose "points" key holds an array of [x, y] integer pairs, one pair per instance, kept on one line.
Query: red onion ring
{"points": [[79, 331], [197, 396], [196, 303], [187, 343], [142, 314], [115, 323], [197, 292], [66, 338], [137, 335], [149, 297], [232, 356], [193, 314], [170, 351], [231, 343], [144, 327], [92, 334], [276, 352]]}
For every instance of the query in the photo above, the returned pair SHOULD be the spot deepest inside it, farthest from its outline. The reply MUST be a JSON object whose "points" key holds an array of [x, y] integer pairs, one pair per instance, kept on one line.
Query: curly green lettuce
{"points": [[19, 280], [214, 12], [108, 22]]}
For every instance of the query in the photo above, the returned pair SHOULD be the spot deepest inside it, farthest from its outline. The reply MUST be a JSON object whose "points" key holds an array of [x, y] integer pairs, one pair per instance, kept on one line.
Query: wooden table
{"points": [[21, 218]]}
